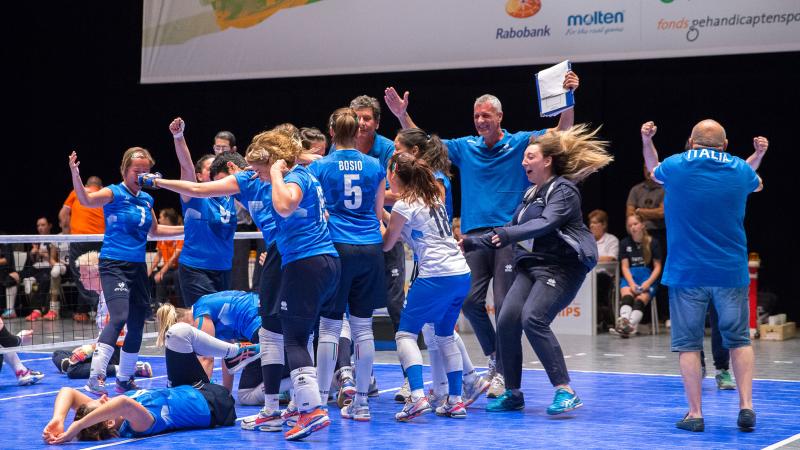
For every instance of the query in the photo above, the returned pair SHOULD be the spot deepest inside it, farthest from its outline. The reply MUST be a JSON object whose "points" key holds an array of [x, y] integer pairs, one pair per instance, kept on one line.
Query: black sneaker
{"points": [[746, 420], [694, 424]]}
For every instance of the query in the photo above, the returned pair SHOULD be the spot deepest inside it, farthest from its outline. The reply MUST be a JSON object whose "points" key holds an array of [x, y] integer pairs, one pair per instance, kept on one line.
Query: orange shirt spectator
{"points": [[83, 220], [167, 249]]}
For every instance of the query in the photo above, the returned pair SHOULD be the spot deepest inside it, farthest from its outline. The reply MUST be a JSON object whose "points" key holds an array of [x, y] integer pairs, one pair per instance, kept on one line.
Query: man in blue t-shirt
{"points": [[706, 192], [492, 184]]}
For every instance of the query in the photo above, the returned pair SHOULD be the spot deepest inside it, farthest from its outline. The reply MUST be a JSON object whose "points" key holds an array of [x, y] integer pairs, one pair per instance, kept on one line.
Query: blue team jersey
{"points": [[234, 313], [305, 232], [209, 225], [705, 193], [172, 409], [382, 150], [257, 197], [448, 194], [350, 181], [128, 220], [492, 179]]}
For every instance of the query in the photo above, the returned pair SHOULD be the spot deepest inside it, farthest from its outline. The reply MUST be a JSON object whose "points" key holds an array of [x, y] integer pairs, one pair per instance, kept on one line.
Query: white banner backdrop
{"points": [[202, 40]]}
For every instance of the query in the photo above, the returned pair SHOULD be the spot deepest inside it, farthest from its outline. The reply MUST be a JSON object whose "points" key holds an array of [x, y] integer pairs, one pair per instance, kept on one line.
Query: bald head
{"points": [[708, 133]]}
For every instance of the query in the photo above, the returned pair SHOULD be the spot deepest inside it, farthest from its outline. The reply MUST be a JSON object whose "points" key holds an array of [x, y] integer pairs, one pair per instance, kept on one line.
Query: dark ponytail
{"points": [[430, 148], [417, 178]]}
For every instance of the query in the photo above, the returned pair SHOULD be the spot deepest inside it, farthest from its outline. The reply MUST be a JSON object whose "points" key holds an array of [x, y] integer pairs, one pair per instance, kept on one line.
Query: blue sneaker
{"points": [[507, 401], [564, 401]]}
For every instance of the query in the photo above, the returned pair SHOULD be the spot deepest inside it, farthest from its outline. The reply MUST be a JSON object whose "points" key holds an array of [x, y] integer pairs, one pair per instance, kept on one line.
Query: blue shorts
{"points": [[434, 300], [640, 275], [196, 283], [688, 306]]}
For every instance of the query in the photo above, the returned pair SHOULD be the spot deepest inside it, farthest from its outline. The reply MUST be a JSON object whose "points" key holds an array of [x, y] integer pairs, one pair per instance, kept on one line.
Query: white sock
{"points": [[364, 350], [127, 365], [636, 317], [11, 297], [271, 401], [625, 311], [100, 358], [306, 389], [13, 359], [327, 353], [468, 368], [417, 394]]}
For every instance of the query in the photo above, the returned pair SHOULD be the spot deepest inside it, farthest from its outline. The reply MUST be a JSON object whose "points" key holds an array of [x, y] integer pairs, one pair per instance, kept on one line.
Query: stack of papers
{"points": [[553, 98]]}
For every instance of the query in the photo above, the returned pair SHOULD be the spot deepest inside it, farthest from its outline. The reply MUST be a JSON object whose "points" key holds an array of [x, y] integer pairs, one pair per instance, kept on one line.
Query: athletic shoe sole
{"points": [[415, 415], [250, 424], [571, 408], [318, 424], [241, 364]]}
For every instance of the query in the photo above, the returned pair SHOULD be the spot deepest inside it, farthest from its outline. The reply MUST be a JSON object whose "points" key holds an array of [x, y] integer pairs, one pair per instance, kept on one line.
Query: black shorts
{"points": [[125, 280], [270, 284], [196, 283], [221, 405], [362, 285], [308, 286]]}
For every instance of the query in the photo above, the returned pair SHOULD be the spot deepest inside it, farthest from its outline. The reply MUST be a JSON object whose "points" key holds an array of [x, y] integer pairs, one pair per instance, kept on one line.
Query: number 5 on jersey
{"points": [[352, 190]]}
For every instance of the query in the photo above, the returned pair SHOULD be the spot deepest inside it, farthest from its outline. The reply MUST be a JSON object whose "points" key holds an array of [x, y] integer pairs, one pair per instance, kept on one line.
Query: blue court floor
{"points": [[621, 411]]}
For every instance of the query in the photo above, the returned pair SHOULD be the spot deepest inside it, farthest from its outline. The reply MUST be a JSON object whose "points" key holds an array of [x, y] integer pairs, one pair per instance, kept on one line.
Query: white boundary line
{"points": [[780, 444], [111, 444]]}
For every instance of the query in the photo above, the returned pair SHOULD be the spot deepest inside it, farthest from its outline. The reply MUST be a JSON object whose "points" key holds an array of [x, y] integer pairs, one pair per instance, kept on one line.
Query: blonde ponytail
{"points": [[167, 316], [576, 152]]}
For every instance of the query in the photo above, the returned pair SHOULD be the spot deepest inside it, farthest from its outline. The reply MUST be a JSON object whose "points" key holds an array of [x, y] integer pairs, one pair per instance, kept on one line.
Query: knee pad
{"points": [[272, 347], [361, 328], [329, 330], [346, 332], [450, 353], [251, 396], [407, 349], [179, 338], [626, 300], [429, 336], [638, 305]]}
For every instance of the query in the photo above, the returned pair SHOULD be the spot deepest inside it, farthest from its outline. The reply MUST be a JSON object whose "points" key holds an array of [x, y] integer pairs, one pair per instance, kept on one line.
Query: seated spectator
{"points": [[641, 262], [608, 250], [82, 220], [36, 273], [164, 270], [9, 279], [57, 274], [77, 364]]}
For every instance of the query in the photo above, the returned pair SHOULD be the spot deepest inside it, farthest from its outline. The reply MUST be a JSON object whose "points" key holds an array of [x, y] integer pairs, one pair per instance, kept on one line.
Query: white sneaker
{"points": [[497, 386], [404, 393], [27, 377], [357, 412], [265, 420], [473, 391], [436, 400], [454, 410]]}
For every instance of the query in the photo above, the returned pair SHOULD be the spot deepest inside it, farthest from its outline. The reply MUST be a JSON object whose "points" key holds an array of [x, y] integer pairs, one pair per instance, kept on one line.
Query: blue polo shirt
{"points": [[705, 194], [492, 179]]}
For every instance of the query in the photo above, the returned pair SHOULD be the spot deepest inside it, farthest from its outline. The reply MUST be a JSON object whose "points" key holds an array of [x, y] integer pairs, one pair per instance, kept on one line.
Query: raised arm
{"points": [[760, 144], [176, 127], [87, 199], [649, 148], [399, 107], [567, 118]]}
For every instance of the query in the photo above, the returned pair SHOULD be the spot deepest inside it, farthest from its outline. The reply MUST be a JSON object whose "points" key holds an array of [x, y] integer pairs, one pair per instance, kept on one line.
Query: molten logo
{"points": [[522, 9]]}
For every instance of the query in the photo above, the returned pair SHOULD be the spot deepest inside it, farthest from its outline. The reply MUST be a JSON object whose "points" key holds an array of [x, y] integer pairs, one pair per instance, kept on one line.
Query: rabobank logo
{"points": [[595, 22], [522, 9]]}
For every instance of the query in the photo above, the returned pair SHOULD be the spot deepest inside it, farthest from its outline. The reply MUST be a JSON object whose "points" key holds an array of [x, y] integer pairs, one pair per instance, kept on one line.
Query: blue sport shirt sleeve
{"points": [[663, 170], [455, 148], [560, 206]]}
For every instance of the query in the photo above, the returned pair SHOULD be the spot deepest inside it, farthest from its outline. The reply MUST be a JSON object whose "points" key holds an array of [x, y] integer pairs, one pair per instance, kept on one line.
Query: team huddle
{"points": [[332, 228]]}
